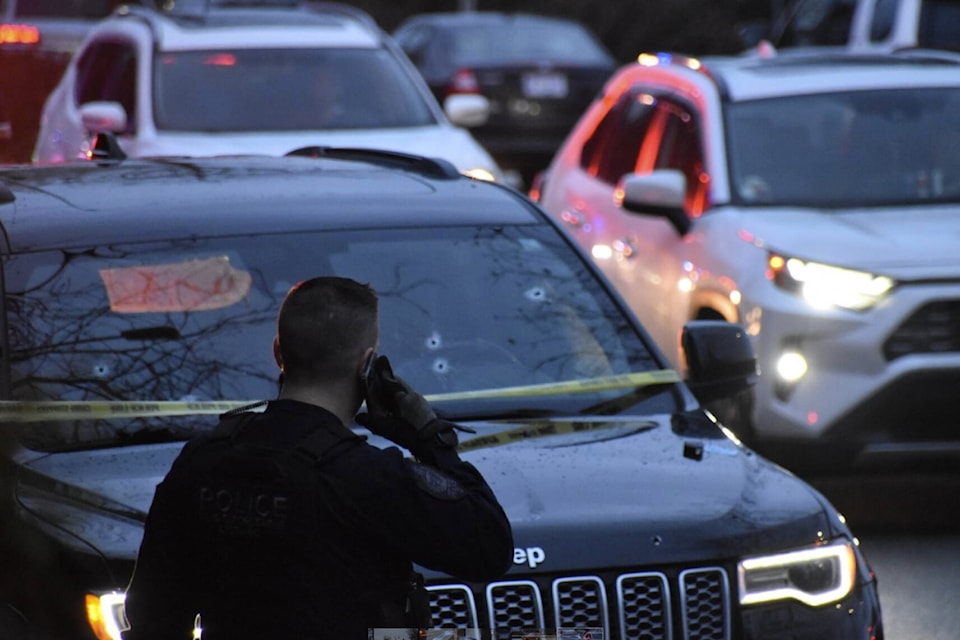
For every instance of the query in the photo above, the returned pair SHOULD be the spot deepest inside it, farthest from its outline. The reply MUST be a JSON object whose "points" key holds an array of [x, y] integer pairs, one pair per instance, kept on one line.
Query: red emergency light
{"points": [[19, 34]]}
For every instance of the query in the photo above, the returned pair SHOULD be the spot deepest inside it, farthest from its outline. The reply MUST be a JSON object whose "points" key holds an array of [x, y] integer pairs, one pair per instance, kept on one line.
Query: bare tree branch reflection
{"points": [[461, 309]]}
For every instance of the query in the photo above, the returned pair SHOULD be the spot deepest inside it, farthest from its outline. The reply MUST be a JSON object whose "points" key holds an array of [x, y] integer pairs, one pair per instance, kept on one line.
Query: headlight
{"points": [[825, 286], [106, 615], [815, 576]]}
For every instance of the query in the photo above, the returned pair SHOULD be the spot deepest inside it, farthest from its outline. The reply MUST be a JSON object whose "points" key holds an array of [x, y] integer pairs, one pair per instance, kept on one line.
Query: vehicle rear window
{"points": [[524, 41], [285, 90]]}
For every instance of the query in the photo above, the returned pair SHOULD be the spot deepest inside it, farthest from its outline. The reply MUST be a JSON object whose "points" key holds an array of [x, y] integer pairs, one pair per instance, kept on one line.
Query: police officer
{"points": [[286, 525]]}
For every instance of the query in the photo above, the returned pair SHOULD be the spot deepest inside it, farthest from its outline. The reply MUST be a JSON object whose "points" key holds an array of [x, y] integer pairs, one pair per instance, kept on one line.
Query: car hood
{"points": [[659, 490], [906, 242], [443, 141]]}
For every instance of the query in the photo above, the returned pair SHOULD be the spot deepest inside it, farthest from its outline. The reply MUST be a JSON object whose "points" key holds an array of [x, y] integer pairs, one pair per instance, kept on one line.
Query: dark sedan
{"points": [[538, 72]]}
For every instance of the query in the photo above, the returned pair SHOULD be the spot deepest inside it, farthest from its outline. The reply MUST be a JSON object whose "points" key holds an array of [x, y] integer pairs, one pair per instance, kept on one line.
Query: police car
{"points": [[140, 297]]}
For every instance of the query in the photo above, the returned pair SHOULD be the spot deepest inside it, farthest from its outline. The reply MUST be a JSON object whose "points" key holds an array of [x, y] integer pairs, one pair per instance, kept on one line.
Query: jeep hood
{"points": [[595, 493], [903, 242]]}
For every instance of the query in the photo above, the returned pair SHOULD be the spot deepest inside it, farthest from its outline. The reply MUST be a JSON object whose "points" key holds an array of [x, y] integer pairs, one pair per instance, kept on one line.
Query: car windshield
{"points": [[192, 322], [251, 90], [523, 41], [851, 149]]}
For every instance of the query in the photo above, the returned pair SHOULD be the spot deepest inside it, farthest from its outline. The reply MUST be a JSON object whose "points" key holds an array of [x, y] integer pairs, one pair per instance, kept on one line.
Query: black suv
{"points": [[139, 302]]}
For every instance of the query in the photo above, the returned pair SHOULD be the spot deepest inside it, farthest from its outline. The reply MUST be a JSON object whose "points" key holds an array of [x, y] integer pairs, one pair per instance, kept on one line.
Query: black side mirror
{"points": [[720, 359]]}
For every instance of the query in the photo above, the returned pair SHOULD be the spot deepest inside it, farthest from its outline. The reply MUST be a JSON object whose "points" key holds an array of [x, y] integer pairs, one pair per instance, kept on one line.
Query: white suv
{"points": [[814, 198], [215, 78]]}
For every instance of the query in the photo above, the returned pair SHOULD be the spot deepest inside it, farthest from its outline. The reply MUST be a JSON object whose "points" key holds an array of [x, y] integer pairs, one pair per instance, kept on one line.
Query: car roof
{"points": [[748, 77], [252, 26], [80, 204]]}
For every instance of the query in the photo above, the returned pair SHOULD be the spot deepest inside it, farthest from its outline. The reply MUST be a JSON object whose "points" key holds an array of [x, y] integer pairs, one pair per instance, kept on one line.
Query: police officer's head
{"points": [[327, 330]]}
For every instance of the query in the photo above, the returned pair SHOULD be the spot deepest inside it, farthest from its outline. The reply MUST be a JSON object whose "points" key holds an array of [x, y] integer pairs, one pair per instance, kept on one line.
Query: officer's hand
{"points": [[412, 407], [394, 409], [437, 433], [390, 395]]}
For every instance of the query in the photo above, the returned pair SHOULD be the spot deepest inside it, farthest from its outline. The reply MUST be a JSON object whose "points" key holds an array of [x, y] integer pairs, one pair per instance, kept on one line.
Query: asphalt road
{"points": [[909, 529]]}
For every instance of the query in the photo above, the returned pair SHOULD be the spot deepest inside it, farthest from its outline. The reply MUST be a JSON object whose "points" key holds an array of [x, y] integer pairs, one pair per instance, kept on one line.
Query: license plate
{"points": [[545, 85]]}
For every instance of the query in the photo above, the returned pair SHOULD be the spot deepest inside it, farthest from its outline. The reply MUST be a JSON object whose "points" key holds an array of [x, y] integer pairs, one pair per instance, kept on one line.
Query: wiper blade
{"points": [[618, 404], [516, 413], [614, 429]]}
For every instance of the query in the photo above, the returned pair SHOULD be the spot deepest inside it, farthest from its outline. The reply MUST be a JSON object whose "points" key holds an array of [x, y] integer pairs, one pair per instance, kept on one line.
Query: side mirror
{"points": [[103, 117], [467, 109], [720, 359], [658, 193]]}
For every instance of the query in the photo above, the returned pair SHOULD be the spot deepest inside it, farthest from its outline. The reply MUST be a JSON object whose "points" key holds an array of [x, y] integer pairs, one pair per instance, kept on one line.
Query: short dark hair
{"points": [[324, 326]]}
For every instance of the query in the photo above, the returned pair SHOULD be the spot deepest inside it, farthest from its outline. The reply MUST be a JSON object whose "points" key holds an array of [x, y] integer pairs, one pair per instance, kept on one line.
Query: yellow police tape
{"points": [[46, 410]]}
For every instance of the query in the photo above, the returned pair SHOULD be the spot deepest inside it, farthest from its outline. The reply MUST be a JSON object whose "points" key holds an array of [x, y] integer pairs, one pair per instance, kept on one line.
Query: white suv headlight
{"points": [[825, 286], [815, 576]]}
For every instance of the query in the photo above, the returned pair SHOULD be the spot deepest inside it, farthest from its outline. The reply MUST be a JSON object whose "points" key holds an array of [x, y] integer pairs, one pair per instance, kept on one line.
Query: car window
{"points": [[813, 22], [414, 40], [881, 23], [525, 41], [88, 9], [193, 320], [108, 71], [939, 26], [679, 146], [846, 149], [612, 149], [285, 90]]}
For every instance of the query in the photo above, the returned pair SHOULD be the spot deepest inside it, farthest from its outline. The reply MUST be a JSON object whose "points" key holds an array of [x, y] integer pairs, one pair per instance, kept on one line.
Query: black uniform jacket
{"points": [[266, 543]]}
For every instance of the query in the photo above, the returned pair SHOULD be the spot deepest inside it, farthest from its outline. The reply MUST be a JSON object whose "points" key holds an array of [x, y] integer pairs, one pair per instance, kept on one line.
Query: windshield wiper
{"points": [[513, 413], [618, 404]]}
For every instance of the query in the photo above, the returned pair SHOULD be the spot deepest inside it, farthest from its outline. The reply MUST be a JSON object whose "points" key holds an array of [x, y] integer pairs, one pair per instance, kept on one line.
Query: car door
{"points": [[662, 262], [104, 70]]}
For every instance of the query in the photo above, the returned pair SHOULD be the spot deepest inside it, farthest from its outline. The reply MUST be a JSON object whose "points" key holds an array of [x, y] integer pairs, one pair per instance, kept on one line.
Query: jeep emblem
{"points": [[531, 556]]}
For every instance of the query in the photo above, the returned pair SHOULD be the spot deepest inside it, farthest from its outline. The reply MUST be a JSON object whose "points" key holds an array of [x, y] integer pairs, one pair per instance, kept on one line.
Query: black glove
{"points": [[400, 414]]}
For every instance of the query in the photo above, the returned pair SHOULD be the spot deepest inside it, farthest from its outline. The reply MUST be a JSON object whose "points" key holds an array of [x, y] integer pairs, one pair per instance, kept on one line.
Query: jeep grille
{"points": [[641, 608]]}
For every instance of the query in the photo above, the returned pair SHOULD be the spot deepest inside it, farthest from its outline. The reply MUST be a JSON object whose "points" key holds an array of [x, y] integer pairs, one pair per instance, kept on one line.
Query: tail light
{"points": [[463, 81], [14, 34]]}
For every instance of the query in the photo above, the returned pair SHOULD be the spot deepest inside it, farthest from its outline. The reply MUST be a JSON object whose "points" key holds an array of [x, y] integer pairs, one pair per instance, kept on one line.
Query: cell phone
{"points": [[380, 385]]}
